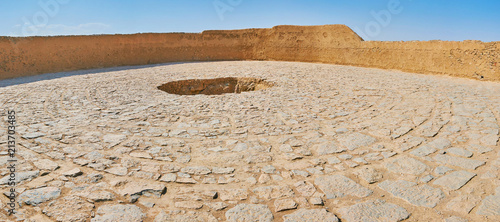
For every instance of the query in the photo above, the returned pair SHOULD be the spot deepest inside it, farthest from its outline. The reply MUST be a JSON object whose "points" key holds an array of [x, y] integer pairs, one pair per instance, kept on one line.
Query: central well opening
{"points": [[215, 86]]}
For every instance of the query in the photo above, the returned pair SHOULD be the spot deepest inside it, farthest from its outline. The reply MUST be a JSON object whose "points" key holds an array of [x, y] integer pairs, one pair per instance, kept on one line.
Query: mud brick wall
{"points": [[335, 44]]}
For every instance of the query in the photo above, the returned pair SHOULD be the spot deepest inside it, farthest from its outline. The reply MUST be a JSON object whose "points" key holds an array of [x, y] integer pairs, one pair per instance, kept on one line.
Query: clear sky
{"points": [[387, 20]]}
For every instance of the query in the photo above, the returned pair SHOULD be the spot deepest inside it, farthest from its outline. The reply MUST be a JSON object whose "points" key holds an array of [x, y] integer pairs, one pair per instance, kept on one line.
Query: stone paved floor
{"points": [[327, 143]]}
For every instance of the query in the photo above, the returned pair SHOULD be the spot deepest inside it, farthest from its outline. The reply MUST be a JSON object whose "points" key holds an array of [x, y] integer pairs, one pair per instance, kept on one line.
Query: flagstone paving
{"points": [[325, 143]]}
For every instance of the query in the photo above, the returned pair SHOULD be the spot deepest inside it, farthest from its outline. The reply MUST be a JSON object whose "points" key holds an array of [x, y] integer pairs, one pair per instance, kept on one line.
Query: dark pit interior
{"points": [[214, 86]]}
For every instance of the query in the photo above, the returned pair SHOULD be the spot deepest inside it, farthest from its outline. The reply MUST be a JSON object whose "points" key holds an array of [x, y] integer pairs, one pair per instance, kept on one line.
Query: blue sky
{"points": [[387, 20]]}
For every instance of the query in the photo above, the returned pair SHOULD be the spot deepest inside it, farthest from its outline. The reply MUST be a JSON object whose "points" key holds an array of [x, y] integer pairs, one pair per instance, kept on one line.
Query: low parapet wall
{"points": [[336, 44]]}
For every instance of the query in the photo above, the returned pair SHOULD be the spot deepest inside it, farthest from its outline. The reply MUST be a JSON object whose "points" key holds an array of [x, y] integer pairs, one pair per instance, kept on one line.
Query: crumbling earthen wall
{"points": [[336, 44]]}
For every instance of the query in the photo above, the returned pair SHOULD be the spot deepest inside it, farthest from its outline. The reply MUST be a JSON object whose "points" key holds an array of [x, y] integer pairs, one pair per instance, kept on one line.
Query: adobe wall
{"points": [[336, 44]]}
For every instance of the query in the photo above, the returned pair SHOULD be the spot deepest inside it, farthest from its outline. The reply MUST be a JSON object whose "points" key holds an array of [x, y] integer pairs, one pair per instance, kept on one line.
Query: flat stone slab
{"points": [[249, 212], [455, 180], [406, 165], [459, 162], [423, 151], [119, 212], [69, 208], [463, 203], [490, 206], [418, 195], [313, 215], [356, 140], [39, 195], [336, 186], [374, 210]]}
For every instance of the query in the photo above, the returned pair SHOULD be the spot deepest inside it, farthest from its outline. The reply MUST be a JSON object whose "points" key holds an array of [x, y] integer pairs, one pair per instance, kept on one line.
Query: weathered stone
{"points": [[440, 143], [196, 170], [422, 195], [100, 196], [478, 148], [369, 174], [189, 216], [264, 178], [463, 204], [316, 201], [113, 139], [170, 177], [185, 180], [273, 192], [328, 148], [233, 194], [69, 208], [284, 204], [39, 195], [490, 206], [189, 204], [249, 212], [490, 140], [455, 219], [73, 173], [442, 170], [336, 186], [455, 180], [20, 177], [33, 135], [45, 164], [314, 215], [374, 210], [333, 160], [142, 155], [406, 165], [423, 151], [135, 189], [119, 171], [217, 205], [305, 188], [356, 140], [459, 162], [119, 212], [459, 152]]}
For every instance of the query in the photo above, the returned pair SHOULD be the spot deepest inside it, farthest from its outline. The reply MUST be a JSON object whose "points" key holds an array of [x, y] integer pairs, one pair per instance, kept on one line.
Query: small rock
{"points": [[285, 204], [455, 180], [73, 173]]}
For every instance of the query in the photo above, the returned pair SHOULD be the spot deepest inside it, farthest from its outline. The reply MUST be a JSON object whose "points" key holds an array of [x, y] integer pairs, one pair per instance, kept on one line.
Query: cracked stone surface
{"points": [[376, 210], [325, 143]]}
